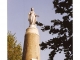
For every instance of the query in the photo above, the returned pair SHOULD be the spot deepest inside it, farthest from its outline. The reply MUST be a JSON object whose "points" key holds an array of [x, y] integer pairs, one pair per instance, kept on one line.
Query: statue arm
{"points": [[28, 16], [37, 15]]}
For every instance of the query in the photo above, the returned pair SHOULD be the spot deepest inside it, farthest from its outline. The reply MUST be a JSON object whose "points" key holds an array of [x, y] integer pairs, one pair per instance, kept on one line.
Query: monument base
{"points": [[31, 49], [32, 29]]}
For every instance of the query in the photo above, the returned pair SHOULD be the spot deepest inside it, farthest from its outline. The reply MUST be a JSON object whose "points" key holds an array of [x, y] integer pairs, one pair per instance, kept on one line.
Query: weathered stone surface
{"points": [[31, 45]]}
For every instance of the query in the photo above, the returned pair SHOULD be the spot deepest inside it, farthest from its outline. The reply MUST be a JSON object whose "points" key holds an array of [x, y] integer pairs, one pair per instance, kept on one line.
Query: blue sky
{"points": [[17, 13]]}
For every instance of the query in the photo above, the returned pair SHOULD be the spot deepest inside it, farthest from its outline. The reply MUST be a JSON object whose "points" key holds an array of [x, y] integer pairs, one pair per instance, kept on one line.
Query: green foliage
{"points": [[64, 40], [14, 50]]}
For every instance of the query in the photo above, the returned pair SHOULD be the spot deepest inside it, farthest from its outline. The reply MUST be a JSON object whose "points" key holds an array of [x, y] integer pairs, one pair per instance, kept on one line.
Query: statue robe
{"points": [[32, 18]]}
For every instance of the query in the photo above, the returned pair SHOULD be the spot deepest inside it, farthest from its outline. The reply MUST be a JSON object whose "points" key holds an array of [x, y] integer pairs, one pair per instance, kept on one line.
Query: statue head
{"points": [[32, 9]]}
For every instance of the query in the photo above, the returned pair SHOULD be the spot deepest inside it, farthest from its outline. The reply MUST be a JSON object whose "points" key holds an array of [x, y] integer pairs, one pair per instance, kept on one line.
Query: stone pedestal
{"points": [[31, 48]]}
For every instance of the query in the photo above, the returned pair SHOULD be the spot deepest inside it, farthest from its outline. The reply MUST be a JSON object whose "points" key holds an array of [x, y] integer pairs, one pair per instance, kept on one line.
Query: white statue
{"points": [[32, 17]]}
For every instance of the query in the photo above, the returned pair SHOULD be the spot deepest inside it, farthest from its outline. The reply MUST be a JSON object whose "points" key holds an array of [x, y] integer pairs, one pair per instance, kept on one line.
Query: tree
{"points": [[14, 50], [64, 39]]}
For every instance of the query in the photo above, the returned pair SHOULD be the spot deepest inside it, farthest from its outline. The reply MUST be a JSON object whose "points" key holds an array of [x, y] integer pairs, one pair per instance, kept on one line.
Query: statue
{"points": [[32, 17]]}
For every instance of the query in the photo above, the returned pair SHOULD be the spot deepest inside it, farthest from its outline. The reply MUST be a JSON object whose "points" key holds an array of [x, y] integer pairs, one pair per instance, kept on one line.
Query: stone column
{"points": [[31, 50]]}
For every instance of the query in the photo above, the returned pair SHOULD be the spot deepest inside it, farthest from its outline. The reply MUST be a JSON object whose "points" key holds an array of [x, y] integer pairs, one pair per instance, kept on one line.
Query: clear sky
{"points": [[18, 20]]}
